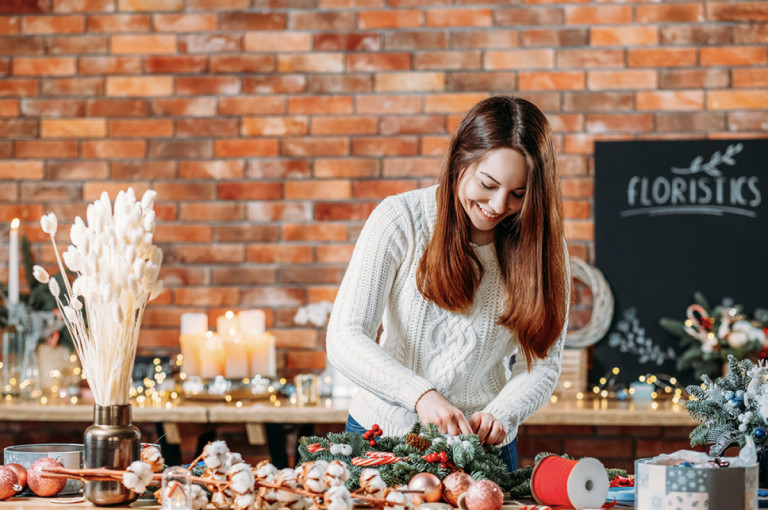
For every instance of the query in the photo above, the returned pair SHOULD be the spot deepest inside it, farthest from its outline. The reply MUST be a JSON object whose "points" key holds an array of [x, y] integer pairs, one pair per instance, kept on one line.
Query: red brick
{"points": [[248, 21], [390, 61], [139, 86], [309, 274], [598, 101], [251, 105], [314, 146], [227, 169], [385, 104], [10, 87], [113, 149], [277, 41], [176, 64], [555, 38], [519, 59], [412, 167], [694, 78], [274, 296], [244, 276], [23, 212], [421, 124], [143, 170], [601, 123], [340, 83], [117, 108], [314, 232], [736, 99], [645, 79], [279, 211], [112, 23], [22, 45], [77, 170], [690, 122], [181, 276], [750, 34], [109, 65], [210, 43], [245, 148], [670, 100], [318, 190], [316, 62], [744, 11], [50, 66], [53, 24], [140, 128], [320, 105], [747, 121], [242, 63], [334, 253], [9, 25], [347, 42], [662, 57], [459, 17], [144, 44], [51, 108], [321, 20], [191, 107], [24, 7], [182, 233], [248, 233], [598, 15], [250, 190], [624, 36], [558, 80], [340, 4], [206, 296], [84, 5], [335, 211], [19, 128], [480, 81], [485, 38], [572, 165], [176, 149], [278, 168], [451, 103], [336, 125], [565, 122], [385, 146], [184, 22], [305, 360], [219, 254], [211, 127], [36, 149], [29, 169], [150, 5], [207, 85], [72, 44], [580, 230], [9, 107], [698, 34], [393, 18], [346, 167], [296, 338], [275, 84], [274, 126], [216, 5], [434, 145], [675, 13], [589, 58], [409, 41], [49, 192], [734, 56]]}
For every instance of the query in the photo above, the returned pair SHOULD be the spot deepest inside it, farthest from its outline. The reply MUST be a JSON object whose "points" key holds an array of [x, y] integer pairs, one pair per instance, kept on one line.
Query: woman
{"points": [[464, 277]]}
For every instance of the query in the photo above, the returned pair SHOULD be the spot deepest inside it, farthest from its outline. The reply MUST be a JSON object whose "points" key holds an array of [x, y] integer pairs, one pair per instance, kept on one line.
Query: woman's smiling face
{"points": [[491, 190]]}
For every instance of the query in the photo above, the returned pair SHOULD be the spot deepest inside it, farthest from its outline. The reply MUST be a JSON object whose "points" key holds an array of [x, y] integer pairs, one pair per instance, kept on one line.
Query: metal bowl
{"points": [[70, 455]]}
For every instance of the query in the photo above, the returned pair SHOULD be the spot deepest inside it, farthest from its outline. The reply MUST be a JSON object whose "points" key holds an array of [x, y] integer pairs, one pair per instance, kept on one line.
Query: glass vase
{"points": [[112, 442]]}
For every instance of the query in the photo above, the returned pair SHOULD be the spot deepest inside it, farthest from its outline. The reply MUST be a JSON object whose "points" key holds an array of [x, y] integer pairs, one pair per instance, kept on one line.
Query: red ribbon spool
{"points": [[564, 483]]}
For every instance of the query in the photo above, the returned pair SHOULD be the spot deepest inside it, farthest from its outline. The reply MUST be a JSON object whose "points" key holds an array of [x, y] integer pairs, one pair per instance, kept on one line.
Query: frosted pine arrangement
{"points": [[116, 267]]}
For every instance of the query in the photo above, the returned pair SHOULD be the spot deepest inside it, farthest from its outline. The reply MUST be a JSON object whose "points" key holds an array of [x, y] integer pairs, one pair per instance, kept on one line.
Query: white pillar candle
{"points": [[13, 263], [252, 322], [235, 358], [262, 354], [193, 328], [228, 322], [212, 356]]}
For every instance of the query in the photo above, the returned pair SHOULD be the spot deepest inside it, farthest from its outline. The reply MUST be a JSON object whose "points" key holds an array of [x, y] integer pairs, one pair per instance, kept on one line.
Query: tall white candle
{"points": [[193, 328], [252, 322], [212, 356], [228, 322], [13, 264]]}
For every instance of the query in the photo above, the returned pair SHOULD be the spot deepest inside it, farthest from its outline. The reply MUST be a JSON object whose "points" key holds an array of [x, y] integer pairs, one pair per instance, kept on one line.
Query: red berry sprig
{"points": [[441, 457], [372, 434]]}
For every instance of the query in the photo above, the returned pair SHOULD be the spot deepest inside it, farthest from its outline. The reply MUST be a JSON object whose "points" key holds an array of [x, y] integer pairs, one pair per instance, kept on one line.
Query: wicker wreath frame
{"points": [[602, 305]]}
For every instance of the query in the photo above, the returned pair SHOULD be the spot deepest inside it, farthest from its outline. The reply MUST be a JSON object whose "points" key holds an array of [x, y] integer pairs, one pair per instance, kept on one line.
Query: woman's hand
{"points": [[434, 408], [488, 429]]}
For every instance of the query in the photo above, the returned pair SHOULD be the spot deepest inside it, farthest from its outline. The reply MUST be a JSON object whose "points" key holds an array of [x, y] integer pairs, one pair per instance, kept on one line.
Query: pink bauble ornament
{"points": [[430, 486], [41, 485], [21, 473], [482, 495], [454, 485], [9, 483]]}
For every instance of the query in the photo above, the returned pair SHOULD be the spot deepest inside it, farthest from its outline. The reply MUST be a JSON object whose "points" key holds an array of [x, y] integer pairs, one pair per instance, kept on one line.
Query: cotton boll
{"points": [[371, 481], [199, 498], [215, 454], [286, 478], [142, 476], [338, 498], [265, 471], [244, 501], [399, 501], [337, 473]]}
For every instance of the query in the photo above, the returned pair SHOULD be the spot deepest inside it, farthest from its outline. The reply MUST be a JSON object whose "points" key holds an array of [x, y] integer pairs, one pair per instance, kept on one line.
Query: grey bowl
{"points": [[70, 455]]}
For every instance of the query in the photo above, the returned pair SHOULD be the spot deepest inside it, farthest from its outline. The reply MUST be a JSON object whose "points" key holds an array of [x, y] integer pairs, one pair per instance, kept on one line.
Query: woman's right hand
{"points": [[434, 408]]}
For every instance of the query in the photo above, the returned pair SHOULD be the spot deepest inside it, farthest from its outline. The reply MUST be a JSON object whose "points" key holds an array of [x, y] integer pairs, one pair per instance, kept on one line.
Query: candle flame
{"points": [[230, 314], [15, 223]]}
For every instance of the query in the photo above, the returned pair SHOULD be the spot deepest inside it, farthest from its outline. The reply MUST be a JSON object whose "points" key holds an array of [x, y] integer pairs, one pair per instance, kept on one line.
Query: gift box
{"points": [[668, 487]]}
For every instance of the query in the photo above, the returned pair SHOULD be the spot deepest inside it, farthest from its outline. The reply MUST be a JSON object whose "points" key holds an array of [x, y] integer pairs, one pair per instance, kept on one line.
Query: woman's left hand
{"points": [[488, 429]]}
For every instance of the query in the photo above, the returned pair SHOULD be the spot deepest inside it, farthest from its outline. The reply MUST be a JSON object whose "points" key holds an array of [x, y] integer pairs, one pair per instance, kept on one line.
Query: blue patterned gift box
{"points": [[659, 487]]}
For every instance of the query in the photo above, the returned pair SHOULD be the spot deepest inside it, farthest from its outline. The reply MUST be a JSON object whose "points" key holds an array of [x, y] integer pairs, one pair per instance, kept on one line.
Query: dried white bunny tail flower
{"points": [[41, 275], [137, 476], [49, 224], [53, 286], [155, 291], [72, 259], [70, 313]]}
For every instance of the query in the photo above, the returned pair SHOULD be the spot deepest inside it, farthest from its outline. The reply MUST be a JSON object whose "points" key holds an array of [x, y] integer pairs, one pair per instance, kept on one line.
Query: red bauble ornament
{"points": [[21, 473], [9, 482], [41, 485], [483, 495], [454, 485], [430, 486]]}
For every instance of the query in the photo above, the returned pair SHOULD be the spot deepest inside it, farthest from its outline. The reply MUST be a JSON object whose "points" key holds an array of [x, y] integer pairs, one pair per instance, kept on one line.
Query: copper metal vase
{"points": [[112, 442]]}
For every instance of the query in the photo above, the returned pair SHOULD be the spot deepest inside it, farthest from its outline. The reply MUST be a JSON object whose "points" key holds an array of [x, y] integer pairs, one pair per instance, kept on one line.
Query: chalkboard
{"points": [[673, 218]]}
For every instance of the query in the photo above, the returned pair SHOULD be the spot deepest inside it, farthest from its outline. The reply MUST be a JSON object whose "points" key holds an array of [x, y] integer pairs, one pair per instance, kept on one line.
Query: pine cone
{"points": [[418, 442]]}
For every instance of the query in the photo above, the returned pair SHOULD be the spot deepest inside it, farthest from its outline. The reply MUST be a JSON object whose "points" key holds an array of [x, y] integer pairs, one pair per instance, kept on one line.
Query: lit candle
{"points": [[227, 322], [193, 328], [252, 322], [235, 358], [212, 356], [13, 264], [262, 354]]}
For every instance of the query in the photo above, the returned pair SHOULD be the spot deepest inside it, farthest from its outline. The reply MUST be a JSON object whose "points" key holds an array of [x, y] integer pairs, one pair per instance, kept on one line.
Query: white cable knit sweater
{"points": [[463, 356]]}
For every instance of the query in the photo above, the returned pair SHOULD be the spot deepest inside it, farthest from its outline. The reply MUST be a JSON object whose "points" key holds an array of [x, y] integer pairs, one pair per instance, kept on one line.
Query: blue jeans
{"points": [[508, 453]]}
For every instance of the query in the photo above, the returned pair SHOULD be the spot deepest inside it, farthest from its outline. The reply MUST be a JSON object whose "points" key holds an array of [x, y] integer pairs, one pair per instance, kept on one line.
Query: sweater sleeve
{"points": [[359, 306], [525, 392]]}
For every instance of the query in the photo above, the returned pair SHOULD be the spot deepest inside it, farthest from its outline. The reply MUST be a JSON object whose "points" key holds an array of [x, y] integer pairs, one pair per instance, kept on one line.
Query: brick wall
{"points": [[271, 128]]}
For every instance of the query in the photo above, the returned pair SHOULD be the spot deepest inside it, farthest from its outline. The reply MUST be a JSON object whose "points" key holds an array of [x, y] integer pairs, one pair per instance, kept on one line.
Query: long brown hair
{"points": [[529, 244]]}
